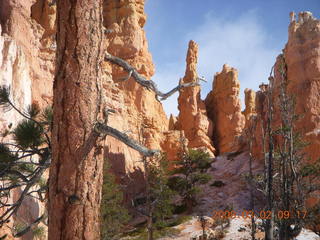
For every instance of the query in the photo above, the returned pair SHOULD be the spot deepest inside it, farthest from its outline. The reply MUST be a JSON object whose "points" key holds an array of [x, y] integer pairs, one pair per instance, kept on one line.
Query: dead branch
{"points": [[106, 130], [149, 84], [14, 207], [103, 129]]}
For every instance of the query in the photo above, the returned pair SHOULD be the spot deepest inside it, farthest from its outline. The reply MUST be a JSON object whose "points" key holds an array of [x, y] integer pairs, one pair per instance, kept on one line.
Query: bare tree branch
{"points": [[104, 129], [30, 183], [149, 84]]}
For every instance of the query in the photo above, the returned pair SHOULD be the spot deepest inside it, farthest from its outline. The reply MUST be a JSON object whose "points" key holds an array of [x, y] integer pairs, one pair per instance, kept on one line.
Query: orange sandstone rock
{"points": [[302, 60], [30, 76], [250, 98], [174, 142], [192, 117], [172, 122], [28, 34], [44, 12], [302, 57], [224, 109], [138, 113]]}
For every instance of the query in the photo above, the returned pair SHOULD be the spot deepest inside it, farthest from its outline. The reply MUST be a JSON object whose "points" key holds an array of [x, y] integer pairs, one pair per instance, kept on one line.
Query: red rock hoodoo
{"points": [[192, 117], [224, 109]]}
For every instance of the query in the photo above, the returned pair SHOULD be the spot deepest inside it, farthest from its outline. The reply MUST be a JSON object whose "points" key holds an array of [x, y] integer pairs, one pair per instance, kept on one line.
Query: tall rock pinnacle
{"points": [[250, 102], [192, 117]]}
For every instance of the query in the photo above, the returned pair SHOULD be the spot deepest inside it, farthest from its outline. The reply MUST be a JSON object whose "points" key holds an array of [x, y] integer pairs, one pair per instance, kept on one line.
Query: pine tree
{"points": [[114, 215], [24, 159], [250, 136], [159, 190], [288, 180], [189, 173], [290, 188], [158, 206]]}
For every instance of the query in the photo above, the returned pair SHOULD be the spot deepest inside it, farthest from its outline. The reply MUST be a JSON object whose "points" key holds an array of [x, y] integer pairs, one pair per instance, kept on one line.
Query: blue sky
{"points": [[246, 34]]}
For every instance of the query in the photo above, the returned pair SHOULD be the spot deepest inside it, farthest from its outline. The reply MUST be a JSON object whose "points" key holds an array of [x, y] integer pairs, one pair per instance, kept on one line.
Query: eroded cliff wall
{"points": [[23, 65], [138, 113], [302, 57]]}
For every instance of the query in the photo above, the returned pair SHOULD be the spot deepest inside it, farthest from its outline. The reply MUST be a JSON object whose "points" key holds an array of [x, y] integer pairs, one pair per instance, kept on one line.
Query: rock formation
{"points": [[44, 12], [192, 117], [138, 113], [27, 55], [301, 61], [25, 70], [14, 72], [172, 122], [174, 142], [124, 22], [302, 57], [224, 109], [28, 34], [261, 125], [250, 102]]}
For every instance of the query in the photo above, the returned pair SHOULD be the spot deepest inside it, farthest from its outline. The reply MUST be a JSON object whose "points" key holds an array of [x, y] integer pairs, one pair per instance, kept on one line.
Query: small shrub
{"points": [[178, 209]]}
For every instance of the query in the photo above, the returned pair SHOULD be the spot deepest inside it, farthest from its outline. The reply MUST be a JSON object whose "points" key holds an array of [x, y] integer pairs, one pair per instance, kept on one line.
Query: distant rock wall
{"points": [[14, 73]]}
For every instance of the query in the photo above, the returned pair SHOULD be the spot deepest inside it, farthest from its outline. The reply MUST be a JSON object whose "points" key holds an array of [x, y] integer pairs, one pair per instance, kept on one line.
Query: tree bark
{"points": [[76, 170]]}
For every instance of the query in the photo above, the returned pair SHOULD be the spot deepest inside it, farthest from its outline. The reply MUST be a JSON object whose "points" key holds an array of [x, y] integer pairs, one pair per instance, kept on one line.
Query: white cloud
{"points": [[242, 43]]}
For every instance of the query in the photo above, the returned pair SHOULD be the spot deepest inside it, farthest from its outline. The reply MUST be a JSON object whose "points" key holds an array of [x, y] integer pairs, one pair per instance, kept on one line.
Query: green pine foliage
{"points": [[28, 134], [158, 175], [25, 154], [189, 173], [6, 157], [114, 215], [4, 97]]}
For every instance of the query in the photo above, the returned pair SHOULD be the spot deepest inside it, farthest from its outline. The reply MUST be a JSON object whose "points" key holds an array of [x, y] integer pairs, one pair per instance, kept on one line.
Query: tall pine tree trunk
{"points": [[269, 176], [76, 170]]}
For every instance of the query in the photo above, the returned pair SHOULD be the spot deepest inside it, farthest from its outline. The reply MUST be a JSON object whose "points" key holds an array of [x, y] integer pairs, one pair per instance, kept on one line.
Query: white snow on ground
{"points": [[307, 235], [192, 228]]}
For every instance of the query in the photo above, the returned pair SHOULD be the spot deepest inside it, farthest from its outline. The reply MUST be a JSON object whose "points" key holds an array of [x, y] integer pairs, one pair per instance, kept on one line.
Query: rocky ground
{"points": [[230, 169]]}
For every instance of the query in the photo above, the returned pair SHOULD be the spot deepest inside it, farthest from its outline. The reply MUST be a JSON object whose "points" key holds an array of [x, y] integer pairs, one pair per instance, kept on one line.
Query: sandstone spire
{"points": [[250, 99], [192, 117], [224, 109]]}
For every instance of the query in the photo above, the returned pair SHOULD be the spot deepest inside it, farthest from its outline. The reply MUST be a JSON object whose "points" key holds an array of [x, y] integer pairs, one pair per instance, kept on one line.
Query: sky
{"points": [[246, 34]]}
